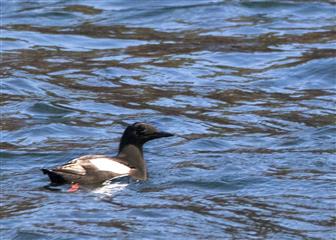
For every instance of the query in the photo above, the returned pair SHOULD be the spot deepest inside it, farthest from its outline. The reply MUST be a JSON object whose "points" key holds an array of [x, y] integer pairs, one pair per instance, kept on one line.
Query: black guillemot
{"points": [[95, 169]]}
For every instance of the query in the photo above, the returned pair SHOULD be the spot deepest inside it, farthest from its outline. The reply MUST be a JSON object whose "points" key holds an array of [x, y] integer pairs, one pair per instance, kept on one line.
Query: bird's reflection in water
{"points": [[111, 187], [108, 189]]}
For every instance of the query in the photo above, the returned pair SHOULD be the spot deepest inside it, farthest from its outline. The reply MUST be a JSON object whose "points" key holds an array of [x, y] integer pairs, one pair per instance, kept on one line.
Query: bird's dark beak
{"points": [[158, 135], [163, 134]]}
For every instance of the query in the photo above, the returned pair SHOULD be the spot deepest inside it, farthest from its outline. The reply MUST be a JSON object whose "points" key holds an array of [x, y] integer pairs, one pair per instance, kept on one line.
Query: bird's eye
{"points": [[140, 130]]}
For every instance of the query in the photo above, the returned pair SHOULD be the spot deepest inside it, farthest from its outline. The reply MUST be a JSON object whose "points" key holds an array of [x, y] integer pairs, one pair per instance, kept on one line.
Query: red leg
{"points": [[74, 187]]}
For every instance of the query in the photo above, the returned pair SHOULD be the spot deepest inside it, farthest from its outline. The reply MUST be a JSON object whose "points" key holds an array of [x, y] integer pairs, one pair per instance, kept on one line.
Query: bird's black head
{"points": [[140, 133]]}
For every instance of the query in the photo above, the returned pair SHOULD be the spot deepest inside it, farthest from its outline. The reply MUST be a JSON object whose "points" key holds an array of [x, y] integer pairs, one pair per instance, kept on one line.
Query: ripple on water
{"points": [[248, 88]]}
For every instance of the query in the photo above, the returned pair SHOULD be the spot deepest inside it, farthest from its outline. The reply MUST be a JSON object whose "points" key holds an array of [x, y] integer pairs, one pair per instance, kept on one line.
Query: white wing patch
{"points": [[105, 164]]}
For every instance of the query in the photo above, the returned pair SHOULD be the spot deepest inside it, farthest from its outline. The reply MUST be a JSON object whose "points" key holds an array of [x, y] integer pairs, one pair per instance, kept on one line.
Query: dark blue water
{"points": [[247, 86]]}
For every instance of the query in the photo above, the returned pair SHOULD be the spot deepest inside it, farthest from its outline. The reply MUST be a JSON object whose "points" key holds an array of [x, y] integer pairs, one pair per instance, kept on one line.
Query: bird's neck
{"points": [[133, 155]]}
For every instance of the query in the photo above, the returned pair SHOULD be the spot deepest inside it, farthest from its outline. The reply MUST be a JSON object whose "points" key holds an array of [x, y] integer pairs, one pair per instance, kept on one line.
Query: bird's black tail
{"points": [[54, 177]]}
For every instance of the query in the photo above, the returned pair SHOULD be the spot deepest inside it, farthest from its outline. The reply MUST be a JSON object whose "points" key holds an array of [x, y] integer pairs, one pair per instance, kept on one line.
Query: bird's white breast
{"points": [[105, 164]]}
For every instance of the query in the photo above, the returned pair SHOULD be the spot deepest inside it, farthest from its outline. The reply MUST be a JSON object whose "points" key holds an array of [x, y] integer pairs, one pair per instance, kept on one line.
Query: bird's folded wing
{"points": [[71, 168]]}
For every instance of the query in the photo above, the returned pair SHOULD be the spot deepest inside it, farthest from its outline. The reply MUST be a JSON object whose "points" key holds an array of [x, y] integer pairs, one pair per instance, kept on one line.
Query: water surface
{"points": [[247, 86]]}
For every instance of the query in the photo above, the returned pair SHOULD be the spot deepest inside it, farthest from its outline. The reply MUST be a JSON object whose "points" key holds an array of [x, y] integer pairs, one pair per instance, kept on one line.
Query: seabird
{"points": [[96, 169]]}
